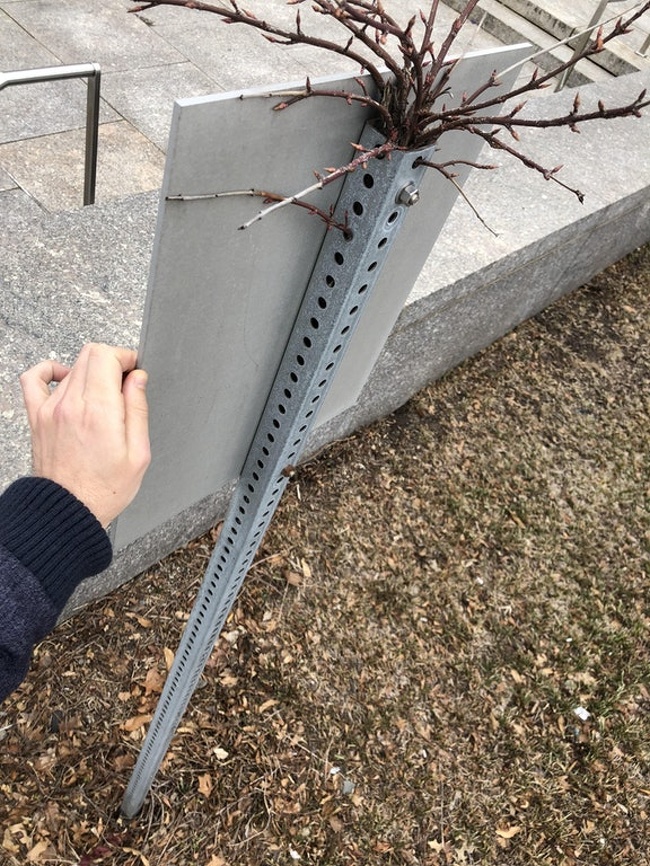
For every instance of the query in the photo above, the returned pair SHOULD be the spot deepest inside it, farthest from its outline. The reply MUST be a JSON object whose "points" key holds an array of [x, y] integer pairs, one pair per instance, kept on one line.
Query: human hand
{"points": [[90, 434]]}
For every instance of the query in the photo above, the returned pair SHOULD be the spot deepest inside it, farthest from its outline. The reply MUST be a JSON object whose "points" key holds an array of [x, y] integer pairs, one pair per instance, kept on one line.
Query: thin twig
{"points": [[283, 201], [441, 167], [279, 199]]}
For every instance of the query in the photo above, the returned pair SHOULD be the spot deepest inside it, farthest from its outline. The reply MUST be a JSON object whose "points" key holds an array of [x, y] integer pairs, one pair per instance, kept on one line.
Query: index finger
{"points": [[35, 384], [100, 369]]}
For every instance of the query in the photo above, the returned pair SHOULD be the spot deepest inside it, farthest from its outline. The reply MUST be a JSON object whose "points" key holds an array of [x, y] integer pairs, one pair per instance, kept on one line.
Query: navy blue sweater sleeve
{"points": [[49, 543]]}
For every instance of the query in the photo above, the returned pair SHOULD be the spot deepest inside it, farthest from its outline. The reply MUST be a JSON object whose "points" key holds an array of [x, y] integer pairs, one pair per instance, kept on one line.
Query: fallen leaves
{"points": [[507, 832], [135, 723], [205, 784], [406, 659]]}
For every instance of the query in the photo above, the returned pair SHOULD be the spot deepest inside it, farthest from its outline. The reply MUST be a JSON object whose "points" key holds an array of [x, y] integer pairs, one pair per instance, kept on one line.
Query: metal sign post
{"points": [[373, 203], [232, 305]]}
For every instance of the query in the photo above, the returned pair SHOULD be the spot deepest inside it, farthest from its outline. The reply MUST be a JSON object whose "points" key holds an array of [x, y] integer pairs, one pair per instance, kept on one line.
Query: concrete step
{"points": [[543, 26], [561, 20], [510, 28]]}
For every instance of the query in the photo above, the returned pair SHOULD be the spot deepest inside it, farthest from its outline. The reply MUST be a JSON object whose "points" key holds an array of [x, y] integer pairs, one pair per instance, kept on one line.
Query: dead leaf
{"points": [[508, 832], [8, 843], [153, 682], [123, 762], [143, 621], [267, 705], [136, 722], [40, 852], [205, 784], [169, 658]]}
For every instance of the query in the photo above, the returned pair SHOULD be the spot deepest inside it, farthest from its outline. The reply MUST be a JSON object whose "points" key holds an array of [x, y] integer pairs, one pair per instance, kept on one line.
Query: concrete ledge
{"points": [[474, 288]]}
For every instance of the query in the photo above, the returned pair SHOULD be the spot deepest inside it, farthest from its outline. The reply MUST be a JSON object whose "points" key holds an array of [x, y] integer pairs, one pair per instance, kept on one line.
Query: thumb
{"points": [[134, 392]]}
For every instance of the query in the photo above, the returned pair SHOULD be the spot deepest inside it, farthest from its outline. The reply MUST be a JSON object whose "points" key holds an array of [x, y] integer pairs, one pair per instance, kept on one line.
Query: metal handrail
{"points": [[92, 72], [586, 36], [643, 51]]}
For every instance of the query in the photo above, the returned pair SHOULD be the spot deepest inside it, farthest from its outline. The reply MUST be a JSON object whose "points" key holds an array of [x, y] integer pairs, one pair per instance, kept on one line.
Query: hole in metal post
{"points": [[368, 181], [338, 258]]}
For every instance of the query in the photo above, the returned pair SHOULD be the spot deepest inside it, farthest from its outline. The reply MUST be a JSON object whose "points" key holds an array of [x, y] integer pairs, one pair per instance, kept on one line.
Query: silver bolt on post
{"points": [[409, 196]]}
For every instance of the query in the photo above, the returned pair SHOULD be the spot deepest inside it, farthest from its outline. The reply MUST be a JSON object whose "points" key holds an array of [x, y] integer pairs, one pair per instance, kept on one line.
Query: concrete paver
{"points": [[52, 167], [145, 97], [6, 181], [77, 31]]}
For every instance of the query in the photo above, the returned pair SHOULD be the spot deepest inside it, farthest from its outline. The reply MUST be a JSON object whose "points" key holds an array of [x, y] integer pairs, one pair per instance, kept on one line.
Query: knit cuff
{"points": [[52, 534]]}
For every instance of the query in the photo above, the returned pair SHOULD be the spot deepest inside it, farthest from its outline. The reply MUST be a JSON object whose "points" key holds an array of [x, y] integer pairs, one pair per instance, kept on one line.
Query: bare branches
{"points": [[410, 79], [268, 197], [275, 201], [234, 15], [282, 201]]}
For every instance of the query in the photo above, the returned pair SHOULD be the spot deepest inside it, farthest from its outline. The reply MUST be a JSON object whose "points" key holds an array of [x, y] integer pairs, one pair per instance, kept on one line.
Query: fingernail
{"points": [[141, 378]]}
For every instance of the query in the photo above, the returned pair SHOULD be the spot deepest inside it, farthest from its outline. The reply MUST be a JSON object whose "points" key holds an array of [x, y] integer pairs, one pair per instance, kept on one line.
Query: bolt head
{"points": [[409, 196]]}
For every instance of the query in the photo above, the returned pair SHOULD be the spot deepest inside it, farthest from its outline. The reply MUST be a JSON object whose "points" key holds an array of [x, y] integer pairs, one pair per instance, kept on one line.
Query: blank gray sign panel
{"points": [[221, 302]]}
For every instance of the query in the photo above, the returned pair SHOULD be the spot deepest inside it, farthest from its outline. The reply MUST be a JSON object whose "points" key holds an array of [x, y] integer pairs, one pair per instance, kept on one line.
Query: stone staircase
{"points": [[545, 24]]}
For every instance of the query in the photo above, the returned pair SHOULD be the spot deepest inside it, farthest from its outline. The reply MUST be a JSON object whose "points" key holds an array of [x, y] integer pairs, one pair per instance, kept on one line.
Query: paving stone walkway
{"points": [[148, 59]]}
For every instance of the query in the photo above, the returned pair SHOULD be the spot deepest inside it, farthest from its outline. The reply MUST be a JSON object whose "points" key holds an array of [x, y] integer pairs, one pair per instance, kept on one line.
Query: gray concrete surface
{"points": [[543, 23], [71, 274]]}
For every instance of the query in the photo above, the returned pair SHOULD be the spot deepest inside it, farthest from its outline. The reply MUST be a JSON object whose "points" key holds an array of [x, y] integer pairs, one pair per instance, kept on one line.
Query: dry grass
{"points": [[399, 679]]}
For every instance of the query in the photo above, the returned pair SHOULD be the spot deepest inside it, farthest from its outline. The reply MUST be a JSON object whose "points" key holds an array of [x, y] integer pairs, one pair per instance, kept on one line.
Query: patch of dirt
{"points": [[440, 656]]}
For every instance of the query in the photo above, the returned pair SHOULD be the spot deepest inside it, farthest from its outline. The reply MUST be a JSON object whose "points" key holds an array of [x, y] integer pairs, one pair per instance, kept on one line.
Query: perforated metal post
{"points": [[374, 201]]}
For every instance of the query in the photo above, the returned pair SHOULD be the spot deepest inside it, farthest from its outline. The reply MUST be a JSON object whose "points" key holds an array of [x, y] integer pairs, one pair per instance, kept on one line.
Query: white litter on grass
{"points": [[583, 714], [294, 854]]}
